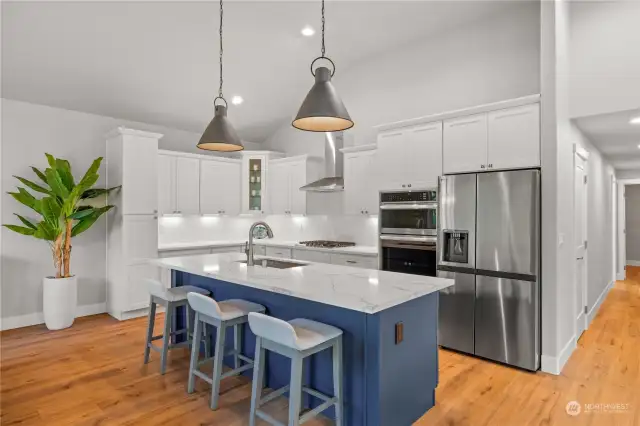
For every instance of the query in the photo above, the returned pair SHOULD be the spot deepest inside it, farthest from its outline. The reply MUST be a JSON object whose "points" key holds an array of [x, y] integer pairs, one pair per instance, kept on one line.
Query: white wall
{"points": [[632, 214], [628, 174], [600, 217], [490, 60], [605, 64], [28, 131]]}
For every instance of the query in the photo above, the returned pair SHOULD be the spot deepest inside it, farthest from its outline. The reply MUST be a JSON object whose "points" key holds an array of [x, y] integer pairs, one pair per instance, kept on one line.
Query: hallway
{"points": [[92, 374]]}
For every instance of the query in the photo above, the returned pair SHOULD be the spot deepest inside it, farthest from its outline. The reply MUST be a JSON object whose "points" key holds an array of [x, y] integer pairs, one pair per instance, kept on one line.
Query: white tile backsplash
{"points": [[361, 230]]}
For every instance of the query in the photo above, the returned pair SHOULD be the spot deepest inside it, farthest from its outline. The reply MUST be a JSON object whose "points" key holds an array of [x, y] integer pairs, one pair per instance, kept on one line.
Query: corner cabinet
{"points": [[360, 188], [254, 180], [285, 177], [503, 139], [410, 157]]}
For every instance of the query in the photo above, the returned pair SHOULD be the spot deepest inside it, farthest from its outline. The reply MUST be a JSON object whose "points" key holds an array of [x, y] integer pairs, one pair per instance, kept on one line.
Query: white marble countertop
{"points": [[363, 290], [358, 249]]}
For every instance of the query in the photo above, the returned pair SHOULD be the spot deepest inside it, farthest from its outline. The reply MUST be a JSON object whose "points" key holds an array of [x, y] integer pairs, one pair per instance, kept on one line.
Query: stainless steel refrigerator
{"points": [[489, 243]]}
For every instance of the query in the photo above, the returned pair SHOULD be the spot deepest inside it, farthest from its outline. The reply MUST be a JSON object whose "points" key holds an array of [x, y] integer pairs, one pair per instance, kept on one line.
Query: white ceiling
{"points": [[156, 62], [615, 137]]}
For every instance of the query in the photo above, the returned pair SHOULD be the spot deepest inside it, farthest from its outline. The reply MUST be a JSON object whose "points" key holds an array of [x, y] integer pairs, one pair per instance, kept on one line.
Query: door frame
{"points": [[584, 323], [621, 239]]}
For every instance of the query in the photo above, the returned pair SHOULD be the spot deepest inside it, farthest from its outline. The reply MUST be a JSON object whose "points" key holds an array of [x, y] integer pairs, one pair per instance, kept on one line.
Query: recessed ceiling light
{"points": [[237, 100], [638, 146], [308, 31], [635, 120]]}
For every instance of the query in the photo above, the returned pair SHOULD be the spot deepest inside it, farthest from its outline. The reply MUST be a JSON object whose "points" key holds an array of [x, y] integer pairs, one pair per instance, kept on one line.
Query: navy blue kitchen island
{"points": [[389, 322]]}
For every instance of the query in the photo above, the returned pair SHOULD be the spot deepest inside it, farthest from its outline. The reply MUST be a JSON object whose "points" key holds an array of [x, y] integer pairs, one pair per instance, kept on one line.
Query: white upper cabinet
{"points": [[178, 184], [503, 139], [285, 177], [410, 157], [220, 186], [514, 137], [188, 185], [360, 186], [465, 144]]}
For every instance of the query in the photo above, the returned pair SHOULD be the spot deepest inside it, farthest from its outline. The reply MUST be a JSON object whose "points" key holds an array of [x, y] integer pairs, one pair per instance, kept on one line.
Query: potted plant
{"points": [[66, 209]]}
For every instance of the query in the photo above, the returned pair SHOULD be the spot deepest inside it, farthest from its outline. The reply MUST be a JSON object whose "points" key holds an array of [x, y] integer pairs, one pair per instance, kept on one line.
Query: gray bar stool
{"points": [[222, 315], [170, 298], [296, 339]]}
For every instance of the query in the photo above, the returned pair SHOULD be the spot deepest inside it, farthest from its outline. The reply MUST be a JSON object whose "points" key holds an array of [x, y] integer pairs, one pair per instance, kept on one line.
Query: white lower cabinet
{"points": [[229, 249], [137, 290], [357, 261], [312, 256], [281, 252]]}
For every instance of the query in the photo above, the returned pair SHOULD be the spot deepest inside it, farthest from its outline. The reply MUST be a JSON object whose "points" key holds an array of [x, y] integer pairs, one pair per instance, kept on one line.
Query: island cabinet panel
{"points": [[386, 382]]}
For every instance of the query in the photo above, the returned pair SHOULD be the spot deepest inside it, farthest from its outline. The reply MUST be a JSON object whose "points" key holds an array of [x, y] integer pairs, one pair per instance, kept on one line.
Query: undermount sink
{"points": [[272, 263]]}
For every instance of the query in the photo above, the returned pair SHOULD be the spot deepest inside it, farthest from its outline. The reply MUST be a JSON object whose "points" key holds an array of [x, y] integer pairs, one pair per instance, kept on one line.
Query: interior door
{"points": [[580, 213]]}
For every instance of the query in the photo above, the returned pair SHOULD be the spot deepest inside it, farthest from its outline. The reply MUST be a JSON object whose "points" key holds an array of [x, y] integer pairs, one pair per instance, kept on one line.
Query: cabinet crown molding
{"points": [[495, 106], [303, 157], [359, 148], [199, 156], [125, 131]]}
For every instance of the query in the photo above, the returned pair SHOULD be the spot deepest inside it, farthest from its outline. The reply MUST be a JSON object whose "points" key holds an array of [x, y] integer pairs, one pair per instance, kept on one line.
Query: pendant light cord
{"points": [[221, 51], [323, 29]]}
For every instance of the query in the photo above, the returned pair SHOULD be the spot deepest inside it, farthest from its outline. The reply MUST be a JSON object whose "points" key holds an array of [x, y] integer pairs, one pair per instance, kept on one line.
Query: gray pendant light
{"points": [[322, 110], [220, 134]]}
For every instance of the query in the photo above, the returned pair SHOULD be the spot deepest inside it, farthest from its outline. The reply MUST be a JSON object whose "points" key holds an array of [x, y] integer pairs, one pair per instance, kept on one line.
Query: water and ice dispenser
{"points": [[456, 246]]}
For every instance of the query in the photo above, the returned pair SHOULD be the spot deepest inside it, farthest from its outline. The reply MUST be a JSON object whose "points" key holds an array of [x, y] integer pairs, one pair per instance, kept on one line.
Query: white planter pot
{"points": [[59, 300]]}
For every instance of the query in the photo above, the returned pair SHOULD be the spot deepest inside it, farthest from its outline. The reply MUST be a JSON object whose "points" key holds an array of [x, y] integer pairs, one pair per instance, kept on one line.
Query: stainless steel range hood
{"points": [[333, 179]]}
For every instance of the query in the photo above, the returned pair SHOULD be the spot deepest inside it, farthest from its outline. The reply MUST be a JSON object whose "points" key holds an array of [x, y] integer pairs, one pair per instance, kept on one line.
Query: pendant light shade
{"points": [[322, 109], [220, 134]]}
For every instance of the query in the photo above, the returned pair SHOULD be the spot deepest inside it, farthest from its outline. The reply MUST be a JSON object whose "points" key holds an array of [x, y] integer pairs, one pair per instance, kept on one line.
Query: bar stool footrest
{"points": [[319, 409], [203, 376], [267, 418]]}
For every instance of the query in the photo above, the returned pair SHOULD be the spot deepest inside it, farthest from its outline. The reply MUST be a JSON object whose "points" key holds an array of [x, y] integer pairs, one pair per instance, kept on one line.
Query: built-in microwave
{"points": [[409, 213]]}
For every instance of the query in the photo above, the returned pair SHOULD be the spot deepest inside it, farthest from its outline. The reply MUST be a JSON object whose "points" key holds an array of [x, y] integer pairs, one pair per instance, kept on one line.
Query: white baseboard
{"points": [[126, 315], [596, 307], [633, 262], [555, 364], [621, 276], [38, 317]]}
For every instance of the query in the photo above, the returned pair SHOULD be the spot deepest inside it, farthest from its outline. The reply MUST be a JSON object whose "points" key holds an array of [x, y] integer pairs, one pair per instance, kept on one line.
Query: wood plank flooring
{"points": [[92, 374]]}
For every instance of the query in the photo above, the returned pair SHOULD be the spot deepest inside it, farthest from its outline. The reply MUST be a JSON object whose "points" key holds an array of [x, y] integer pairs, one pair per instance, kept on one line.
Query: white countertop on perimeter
{"points": [[363, 290], [363, 250]]}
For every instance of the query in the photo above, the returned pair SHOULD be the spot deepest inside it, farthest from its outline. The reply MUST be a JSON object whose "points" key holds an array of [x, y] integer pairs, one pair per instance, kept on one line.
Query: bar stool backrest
{"points": [[204, 304], [156, 288], [273, 329]]}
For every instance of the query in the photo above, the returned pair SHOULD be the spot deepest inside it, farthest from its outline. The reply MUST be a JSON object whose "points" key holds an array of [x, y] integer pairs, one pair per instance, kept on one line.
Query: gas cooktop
{"points": [[327, 244]]}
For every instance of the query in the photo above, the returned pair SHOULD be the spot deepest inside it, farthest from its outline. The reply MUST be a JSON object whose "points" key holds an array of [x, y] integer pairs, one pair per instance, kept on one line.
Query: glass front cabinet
{"points": [[254, 185]]}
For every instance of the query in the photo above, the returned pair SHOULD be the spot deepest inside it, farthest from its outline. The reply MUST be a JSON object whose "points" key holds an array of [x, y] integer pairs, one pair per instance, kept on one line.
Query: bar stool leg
{"points": [[258, 381], [295, 390], [166, 337], [195, 351], [337, 381], [217, 365], [237, 344], [207, 340], [152, 321]]}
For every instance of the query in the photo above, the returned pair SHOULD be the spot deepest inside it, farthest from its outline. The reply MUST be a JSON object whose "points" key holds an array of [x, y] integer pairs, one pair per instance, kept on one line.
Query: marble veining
{"points": [[363, 290]]}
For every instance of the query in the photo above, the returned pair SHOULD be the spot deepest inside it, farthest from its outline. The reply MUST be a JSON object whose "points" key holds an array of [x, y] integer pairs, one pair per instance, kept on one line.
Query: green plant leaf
{"points": [[26, 221], [64, 171], [21, 229], [40, 174], [22, 196], [46, 232], [91, 175], [51, 211], [51, 160], [82, 212], [96, 192], [86, 222], [33, 185], [55, 182]]}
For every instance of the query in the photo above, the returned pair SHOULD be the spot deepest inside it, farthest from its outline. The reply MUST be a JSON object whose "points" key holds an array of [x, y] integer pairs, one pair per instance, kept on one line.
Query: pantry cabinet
{"points": [[220, 186], [410, 157], [360, 184], [503, 139], [286, 176]]}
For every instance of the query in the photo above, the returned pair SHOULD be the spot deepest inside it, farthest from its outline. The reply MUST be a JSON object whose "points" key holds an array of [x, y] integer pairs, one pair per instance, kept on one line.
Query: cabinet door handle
{"points": [[409, 185], [351, 261], [491, 166], [482, 166], [403, 186]]}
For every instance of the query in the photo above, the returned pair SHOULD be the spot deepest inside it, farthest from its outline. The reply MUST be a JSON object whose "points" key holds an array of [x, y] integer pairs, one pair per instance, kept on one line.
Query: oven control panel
{"points": [[408, 197]]}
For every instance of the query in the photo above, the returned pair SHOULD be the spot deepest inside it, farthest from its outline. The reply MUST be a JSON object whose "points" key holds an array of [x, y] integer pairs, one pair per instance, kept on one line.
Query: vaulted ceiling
{"points": [[156, 62]]}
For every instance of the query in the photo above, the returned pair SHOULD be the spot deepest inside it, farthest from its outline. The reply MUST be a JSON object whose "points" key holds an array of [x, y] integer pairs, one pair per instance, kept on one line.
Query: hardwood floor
{"points": [[92, 374]]}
